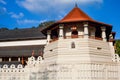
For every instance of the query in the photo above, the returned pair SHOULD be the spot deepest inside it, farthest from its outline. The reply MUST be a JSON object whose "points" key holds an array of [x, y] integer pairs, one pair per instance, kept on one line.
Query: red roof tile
{"points": [[76, 14]]}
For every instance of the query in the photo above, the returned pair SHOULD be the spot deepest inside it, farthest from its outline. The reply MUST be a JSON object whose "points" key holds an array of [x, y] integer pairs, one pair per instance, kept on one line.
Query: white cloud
{"points": [[16, 16], [26, 23], [29, 21], [3, 10], [44, 20], [38, 6], [3, 2], [90, 1]]}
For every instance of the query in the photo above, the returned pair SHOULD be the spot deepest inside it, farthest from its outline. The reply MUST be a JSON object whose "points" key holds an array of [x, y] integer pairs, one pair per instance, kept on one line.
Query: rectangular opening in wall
{"points": [[99, 48]]}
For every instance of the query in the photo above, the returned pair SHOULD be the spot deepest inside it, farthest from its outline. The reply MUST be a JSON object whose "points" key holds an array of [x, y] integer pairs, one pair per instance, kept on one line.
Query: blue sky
{"points": [[28, 13]]}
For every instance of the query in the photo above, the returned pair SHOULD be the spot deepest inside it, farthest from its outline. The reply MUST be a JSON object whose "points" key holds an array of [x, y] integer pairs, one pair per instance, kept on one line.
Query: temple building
{"points": [[76, 47], [20, 43]]}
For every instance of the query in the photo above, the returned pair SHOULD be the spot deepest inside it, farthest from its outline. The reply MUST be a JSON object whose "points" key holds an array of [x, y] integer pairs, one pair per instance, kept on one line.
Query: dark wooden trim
{"points": [[22, 39]]}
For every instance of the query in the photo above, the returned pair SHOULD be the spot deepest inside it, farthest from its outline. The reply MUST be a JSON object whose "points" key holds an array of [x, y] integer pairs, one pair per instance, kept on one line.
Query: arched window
{"points": [[72, 45]]}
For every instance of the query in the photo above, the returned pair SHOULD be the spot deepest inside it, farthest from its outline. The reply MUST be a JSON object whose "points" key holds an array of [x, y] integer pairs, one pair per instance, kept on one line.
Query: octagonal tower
{"points": [[79, 47]]}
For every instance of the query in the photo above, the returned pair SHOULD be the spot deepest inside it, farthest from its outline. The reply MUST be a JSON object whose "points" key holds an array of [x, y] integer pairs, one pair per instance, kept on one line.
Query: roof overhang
{"points": [[44, 31]]}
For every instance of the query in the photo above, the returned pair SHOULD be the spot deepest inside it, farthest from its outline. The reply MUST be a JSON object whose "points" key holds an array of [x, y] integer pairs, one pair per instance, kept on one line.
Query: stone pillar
{"points": [[86, 33], [61, 33], [103, 33], [9, 59], [48, 36]]}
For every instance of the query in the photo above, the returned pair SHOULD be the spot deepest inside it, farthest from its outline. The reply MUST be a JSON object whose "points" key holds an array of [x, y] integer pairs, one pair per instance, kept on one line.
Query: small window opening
{"points": [[51, 50], [72, 45], [99, 48], [74, 34]]}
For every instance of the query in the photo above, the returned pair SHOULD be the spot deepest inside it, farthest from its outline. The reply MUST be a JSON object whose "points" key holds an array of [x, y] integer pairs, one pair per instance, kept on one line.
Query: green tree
{"points": [[45, 24], [33, 27], [15, 28], [3, 29], [117, 45]]}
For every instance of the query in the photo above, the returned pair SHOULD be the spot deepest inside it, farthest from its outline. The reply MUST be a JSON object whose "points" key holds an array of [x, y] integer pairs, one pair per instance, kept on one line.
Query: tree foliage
{"points": [[15, 28], [117, 45], [3, 29], [45, 24]]}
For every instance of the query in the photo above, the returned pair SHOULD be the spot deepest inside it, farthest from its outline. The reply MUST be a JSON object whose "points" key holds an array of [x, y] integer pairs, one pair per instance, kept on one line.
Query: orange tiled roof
{"points": [[76, 15]]}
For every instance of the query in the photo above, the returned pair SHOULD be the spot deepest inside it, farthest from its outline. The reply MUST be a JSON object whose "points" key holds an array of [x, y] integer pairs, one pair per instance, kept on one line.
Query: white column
{"points": [[48, 36], [19, 59], [61, 33], [103, 33], [9, 59], [86, 33], [1, 59], [112, 50]]}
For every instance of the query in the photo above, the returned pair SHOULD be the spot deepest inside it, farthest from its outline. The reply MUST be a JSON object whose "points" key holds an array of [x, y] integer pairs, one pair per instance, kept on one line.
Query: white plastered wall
{"points": [[23, 43]]}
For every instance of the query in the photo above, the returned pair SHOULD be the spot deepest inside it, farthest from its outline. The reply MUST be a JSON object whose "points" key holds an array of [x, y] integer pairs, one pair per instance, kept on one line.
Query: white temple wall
{"points": [[63, 71], [89, 71], [85, 50], [89, 59], [23, 43]]}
